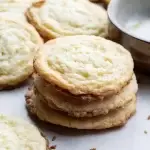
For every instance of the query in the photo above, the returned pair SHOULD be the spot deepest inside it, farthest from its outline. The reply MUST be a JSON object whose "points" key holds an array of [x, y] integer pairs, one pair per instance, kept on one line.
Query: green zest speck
{"points": [[136, 26]]}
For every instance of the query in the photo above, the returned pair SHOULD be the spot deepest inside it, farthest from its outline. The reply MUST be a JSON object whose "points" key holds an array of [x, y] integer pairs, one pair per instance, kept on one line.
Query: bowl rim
{"points": [[115, 23]]}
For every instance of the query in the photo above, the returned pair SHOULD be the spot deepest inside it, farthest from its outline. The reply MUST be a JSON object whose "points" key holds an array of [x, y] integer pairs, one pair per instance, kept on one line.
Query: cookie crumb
{"points": [[148, 117], [93, 149], [53, 147], [54, 138], [145, 132]]}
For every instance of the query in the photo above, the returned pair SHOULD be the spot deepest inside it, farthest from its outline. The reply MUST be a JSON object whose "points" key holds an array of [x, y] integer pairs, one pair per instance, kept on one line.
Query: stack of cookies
{"points": [[83, 82]]}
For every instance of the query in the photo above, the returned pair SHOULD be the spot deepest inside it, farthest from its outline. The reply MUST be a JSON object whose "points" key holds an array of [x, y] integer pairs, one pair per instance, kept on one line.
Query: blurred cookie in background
{"points": [[59, 18]]}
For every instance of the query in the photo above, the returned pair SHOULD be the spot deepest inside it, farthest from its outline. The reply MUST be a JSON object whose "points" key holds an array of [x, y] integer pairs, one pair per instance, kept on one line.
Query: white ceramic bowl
{"points": [[130, 26]]}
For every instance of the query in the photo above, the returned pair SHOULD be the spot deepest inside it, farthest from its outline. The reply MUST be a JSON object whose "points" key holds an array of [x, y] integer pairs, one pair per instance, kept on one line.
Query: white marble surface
{"points": [[130, 137]]}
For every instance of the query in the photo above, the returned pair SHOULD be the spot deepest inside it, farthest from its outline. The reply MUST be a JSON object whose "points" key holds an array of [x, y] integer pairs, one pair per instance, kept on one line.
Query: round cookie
{"points": [[86, 66], [60, 101], [18, 134], [113, 119], [65, 18], [18, 44]]}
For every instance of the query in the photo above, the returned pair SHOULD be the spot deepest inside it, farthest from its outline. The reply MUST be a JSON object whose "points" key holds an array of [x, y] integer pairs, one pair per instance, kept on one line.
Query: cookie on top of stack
{"points": [[83, 82]]}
